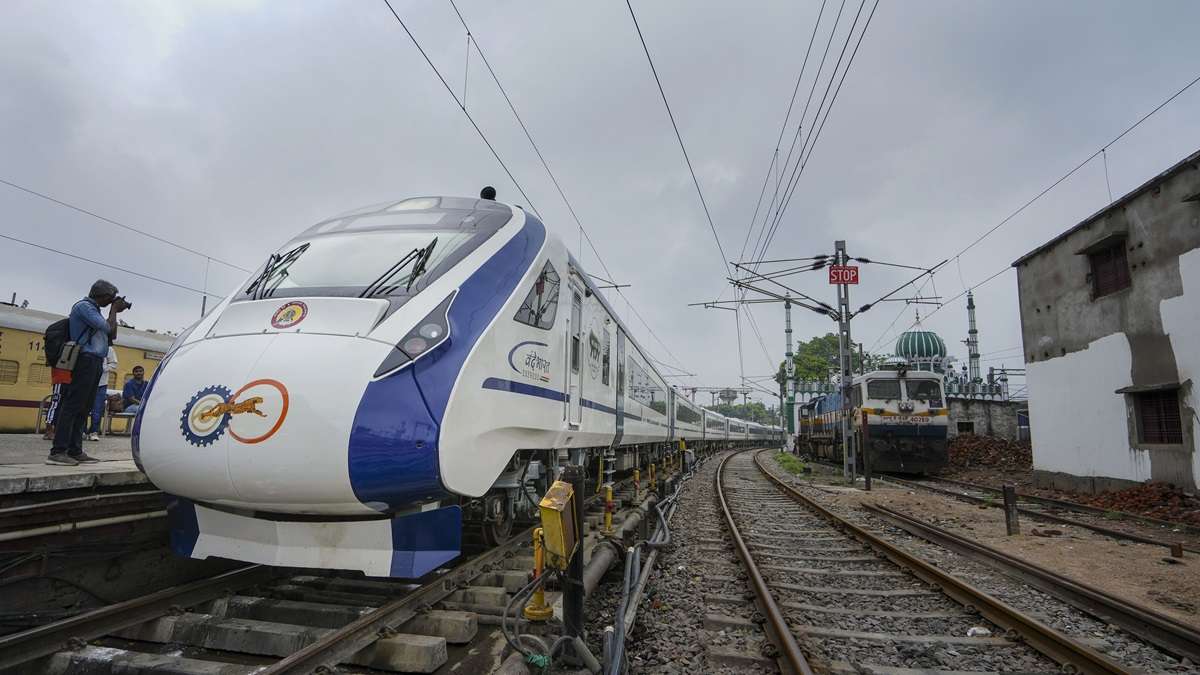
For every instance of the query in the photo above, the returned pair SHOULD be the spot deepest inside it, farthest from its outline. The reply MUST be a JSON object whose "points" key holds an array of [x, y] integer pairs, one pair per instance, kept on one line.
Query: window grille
{"points": [[1110, 269], [9, 371], [38, 374], [1158, 417]]}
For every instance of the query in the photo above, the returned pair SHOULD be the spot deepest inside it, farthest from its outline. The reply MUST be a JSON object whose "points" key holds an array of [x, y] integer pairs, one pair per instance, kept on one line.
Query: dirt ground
{"points": [[1141, 573]]}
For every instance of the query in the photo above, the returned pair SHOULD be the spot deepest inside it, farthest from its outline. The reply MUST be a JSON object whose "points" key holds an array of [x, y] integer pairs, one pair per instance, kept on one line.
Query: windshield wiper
{"points": [[378, 286], [419, 268], [277, 263]]}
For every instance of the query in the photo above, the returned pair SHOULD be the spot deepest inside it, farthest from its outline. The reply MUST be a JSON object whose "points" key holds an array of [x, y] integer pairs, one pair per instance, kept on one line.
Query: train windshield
{"points": [[883, 389], [389, 250], [924, 390]]}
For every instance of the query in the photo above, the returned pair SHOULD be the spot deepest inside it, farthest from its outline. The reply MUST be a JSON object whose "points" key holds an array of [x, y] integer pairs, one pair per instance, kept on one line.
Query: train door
{"points": [[575, 358], [671, 414], [619, 374]]}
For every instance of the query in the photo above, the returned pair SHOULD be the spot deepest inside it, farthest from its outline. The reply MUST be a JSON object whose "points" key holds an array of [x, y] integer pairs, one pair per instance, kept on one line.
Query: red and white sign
{"points": [[843, 274]]}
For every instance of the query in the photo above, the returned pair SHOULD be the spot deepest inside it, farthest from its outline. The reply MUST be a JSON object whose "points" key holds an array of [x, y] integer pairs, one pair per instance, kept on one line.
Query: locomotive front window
{"points": [[925, 390], [378, 263], [883, 389]]}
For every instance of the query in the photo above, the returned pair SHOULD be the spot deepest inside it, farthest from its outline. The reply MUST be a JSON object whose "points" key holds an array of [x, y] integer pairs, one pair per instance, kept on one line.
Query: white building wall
{"points": [[1181, 322], [1077, 421]]}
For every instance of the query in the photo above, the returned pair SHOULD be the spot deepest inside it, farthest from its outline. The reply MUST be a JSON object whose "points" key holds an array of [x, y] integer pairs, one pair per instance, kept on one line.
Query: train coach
{"points": [[897, 417], [393, 378]]}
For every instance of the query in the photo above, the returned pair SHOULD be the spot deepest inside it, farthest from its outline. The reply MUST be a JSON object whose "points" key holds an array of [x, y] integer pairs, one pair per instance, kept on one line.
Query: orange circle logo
{"points": [[264, 405], [289, 315]]}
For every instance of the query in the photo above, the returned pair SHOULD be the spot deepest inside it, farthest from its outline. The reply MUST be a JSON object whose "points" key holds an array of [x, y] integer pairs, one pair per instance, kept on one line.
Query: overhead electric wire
{"points": [[112, 267], [811, 141], [1041, 194], [553, 179], [678, 136], [110, 221], [783, 128], [462, 107]]}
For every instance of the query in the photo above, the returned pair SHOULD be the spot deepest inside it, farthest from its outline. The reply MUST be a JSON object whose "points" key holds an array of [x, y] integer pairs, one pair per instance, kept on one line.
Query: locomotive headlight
{"points": [[414, 346], [430, 332]]}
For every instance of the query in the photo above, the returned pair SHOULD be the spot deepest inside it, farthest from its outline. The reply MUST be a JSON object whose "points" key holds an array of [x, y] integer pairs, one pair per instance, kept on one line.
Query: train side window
{"points": [[883, 389], [856, 397], [9, 371], [576, 321], [541, 305], [605, 357], [38, 374]]}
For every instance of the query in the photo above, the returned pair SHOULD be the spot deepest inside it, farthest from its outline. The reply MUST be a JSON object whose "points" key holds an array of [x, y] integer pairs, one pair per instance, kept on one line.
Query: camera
{"points": [[128, 304]]}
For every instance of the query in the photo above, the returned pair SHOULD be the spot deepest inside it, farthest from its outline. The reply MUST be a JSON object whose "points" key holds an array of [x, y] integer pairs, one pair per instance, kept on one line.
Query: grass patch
{"points": [[790, 463]]}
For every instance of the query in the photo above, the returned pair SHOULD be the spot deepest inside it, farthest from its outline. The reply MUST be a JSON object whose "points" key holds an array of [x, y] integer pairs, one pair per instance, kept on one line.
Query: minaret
{"points": [[972, 340]]}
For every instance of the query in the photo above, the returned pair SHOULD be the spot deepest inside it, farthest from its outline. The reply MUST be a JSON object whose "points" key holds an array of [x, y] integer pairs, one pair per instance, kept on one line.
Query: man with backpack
{"points": [[89, 336]]}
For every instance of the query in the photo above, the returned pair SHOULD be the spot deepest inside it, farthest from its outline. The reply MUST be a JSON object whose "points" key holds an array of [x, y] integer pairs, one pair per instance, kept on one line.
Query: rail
{"points": [[1050, 642], [1163, 631]]}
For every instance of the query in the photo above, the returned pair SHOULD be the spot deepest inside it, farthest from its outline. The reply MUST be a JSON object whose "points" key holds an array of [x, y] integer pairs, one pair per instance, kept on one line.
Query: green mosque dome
{"points": [[920, 344]]}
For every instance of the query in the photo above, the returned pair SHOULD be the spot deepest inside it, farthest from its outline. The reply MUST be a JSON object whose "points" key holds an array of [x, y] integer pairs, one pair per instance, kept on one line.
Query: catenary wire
{"points": [[110, 221], [678, 136], [112, 267], [546, 165], [462, 107]]}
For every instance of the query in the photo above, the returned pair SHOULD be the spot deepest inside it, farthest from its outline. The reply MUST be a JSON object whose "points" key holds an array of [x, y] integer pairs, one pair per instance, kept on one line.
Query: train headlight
{"points": [[430, 332]]}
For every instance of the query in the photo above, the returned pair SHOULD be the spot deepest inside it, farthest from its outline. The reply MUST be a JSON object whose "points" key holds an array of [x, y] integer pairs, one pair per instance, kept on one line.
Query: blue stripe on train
{"points": [[393, 449]]}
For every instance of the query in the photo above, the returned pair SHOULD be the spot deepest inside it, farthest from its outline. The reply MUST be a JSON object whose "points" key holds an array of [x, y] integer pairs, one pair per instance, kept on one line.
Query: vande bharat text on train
{"points": [[393, 377]]}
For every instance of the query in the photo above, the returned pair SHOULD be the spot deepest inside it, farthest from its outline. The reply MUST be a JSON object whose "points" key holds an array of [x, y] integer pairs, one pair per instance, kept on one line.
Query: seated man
{"points": [[135, 390]]}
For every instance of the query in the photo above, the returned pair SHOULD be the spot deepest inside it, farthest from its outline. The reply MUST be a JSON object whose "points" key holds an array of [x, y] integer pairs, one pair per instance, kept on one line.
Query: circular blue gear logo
{"points": [[199, 428]]}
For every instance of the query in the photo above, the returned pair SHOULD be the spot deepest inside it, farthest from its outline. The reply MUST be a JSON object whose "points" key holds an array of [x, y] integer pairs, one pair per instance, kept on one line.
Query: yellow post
{"points": [[600, 474], [637, 485], [537, 609], [608, 509]]}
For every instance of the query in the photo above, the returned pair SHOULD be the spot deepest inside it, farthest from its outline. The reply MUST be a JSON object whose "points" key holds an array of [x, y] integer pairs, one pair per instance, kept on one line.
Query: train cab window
{"points": [[925, 390], [886, 390], [541, 305], [856, 397], [9, 371]]}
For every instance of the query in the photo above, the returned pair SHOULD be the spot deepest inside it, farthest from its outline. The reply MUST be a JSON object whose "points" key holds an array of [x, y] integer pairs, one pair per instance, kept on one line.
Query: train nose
{"points": [[274, 423]]}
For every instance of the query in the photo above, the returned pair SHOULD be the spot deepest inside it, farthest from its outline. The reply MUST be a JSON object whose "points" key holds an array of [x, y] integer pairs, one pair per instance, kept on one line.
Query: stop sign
{"points": [[843, 274]]}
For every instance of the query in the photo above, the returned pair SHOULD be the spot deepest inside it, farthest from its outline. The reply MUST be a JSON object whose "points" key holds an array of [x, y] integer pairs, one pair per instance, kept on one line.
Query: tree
{"points": [[817, 359], [753, 411]]}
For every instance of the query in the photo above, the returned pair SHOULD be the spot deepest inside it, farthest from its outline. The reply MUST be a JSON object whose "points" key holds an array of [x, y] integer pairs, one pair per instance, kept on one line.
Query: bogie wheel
{"points": [[497, 525]]}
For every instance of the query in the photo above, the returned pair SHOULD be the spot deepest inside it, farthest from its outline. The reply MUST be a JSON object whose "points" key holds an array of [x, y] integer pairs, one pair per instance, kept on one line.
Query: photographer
{"points": [[94, 334]]}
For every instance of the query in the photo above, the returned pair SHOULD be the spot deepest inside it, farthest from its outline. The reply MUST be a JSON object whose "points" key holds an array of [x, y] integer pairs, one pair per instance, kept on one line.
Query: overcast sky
{"points": [[229, 126]]}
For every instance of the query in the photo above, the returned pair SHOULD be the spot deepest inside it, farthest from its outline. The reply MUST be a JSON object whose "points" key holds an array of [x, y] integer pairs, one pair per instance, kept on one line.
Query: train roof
{"points": [[36, 321]]}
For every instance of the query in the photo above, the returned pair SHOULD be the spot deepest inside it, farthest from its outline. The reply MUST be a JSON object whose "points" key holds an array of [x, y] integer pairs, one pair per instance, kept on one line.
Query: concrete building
{"points": [[1110, 322]]}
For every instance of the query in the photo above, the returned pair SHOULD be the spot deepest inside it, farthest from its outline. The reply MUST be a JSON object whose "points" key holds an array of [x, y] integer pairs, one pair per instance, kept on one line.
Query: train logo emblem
{"points": [[289, 315], [527, 358], [251, 415]]}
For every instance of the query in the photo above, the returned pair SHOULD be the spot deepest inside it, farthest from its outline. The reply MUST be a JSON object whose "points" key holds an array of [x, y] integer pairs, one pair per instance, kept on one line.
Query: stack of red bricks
{"points": [[1156, 500], [969, 451]]}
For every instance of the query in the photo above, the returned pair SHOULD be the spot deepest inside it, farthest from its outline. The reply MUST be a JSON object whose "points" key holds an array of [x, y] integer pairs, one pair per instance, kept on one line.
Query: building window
{"points": [[38, 374], [9, 371], [541, 305], [1110, 270], [1158, 417], [966, 427]]}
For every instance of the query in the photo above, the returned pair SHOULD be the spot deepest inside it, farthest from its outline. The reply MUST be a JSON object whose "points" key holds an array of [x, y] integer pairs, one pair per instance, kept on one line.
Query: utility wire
{"points": [[112, 267], [546, 165], [811, 142], [678, 136], [1043, 192], [462, 107], [110, 221]]}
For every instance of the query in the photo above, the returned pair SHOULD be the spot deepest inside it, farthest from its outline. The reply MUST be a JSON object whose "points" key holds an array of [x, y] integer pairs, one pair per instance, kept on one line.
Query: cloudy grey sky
{"points": [[228, 126]]}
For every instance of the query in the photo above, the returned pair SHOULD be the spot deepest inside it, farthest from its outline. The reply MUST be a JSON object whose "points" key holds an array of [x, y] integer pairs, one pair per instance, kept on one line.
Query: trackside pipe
{"points": [[606, 551]]}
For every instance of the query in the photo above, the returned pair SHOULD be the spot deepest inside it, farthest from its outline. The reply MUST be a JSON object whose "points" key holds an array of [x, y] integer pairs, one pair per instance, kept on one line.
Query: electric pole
{"points": [[845, 351], [789, 369]]}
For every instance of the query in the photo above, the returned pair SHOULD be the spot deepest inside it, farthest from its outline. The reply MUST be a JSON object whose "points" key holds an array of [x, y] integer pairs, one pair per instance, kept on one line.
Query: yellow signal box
{"points": [[558, 524]]}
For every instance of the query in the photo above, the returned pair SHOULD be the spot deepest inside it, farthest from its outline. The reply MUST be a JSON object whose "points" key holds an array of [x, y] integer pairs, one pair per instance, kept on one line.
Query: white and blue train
{"points": [[393, 378]]}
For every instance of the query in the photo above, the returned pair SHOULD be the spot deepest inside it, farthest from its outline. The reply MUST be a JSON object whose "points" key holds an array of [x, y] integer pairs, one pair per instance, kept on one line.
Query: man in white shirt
{"points": [[110, 366]]}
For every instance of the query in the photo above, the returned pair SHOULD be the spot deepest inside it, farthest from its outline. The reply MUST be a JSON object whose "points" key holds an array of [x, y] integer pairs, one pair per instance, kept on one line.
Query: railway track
{"points": [[837, 597], [1117, 524], [264, 620]]}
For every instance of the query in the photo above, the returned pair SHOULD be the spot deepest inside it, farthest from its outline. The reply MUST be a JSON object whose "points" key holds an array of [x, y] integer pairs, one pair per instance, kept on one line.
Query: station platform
{"points": [[23, 469]]}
